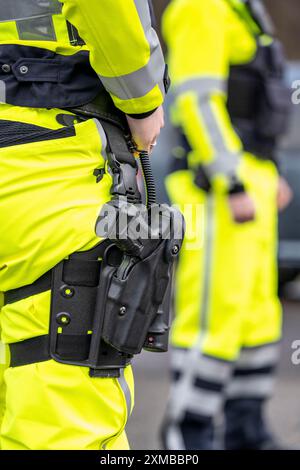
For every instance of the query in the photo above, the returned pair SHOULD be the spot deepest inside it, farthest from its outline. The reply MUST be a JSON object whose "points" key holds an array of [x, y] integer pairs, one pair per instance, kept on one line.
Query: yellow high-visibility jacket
{"points": [[47, 46], [204, 39]]}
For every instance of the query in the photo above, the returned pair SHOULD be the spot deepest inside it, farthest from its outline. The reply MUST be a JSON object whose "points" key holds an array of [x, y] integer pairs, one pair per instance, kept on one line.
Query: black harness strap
{"points": [[30, 351], [42, 284], [34, 350], [77, 272]]}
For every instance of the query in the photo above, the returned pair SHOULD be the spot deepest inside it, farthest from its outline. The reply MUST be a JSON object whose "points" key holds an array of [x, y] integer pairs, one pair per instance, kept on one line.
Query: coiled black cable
{"points": [[148, 178]]}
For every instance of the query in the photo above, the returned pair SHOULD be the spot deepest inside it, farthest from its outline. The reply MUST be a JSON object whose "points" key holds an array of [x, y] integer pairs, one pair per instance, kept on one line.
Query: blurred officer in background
{"points": [[56, 56], [230, 106], [3, 366]]}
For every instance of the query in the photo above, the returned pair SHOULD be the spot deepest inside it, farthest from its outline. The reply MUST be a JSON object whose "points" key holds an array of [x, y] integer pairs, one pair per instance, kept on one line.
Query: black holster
{"points": [[125, 305], [137, 300]]}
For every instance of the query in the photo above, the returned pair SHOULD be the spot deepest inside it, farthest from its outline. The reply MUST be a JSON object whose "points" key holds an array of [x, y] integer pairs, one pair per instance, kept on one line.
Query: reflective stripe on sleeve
{"points": [[15, 10], [224, 160], [202, 86], [140, 82]]}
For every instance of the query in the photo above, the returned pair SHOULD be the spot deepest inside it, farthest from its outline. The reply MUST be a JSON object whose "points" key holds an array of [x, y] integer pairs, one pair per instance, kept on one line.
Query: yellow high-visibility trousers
{"points": [[228, 316], [227, 287], [50, 201]]}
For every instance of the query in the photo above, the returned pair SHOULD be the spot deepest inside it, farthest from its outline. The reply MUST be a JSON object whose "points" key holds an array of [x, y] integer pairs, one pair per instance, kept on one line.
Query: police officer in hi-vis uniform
{"points": [[56, 56], [230, 106]]}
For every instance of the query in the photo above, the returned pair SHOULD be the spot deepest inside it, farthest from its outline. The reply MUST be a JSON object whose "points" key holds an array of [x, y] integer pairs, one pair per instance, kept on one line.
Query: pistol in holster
{"points": [[116, 298]]}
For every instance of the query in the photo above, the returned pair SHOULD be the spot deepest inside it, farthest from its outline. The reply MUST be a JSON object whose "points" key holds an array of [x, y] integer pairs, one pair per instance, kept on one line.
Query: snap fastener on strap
{"points": [[24, 69], [6, 68], [37, 70]]}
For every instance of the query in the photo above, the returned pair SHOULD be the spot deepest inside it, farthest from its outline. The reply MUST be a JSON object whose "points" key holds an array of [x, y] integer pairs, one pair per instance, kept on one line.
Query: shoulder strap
{"points": [[261, 16], [253, 12]]}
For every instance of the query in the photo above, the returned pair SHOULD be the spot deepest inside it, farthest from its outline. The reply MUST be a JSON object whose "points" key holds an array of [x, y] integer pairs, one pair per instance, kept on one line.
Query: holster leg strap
{"points": [[34, 350]]}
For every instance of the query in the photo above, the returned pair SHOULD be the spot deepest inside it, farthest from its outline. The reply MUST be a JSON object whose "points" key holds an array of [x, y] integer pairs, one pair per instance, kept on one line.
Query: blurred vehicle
{"points": [[289, 220]]}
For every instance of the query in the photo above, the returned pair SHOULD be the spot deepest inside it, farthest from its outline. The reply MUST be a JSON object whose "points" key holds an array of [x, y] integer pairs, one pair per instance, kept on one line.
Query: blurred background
{"points": [[152, 370]]}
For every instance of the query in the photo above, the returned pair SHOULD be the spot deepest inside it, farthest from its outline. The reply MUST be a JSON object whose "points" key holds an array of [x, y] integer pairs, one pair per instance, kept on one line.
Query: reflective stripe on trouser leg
{"points": [[208, 376], [252, 384], [253, 375], [246, 426], [199, 380], [120, 442], [208, 296], [56, 200], [61, 408]]}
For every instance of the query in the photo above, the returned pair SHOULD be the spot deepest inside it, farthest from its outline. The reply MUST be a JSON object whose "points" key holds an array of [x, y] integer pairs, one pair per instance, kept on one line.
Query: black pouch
{"points": [[259, 102], [274, 109]]}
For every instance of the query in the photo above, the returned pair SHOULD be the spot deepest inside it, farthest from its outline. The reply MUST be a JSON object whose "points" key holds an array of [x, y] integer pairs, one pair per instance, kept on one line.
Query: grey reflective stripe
{"points": [[254, 358], [102, 137], [37, 29], [142, 81], [198, 401], [158, 66], [208, 253], [224, 161], [2, 92], [3, 351], [262, 16], [125, 388], [256, 386], [174, 438], [202, 86], [208, 368], [179, 397], [182, 390], [204, 402], [139, 83], [226, 164], [15, 10]]}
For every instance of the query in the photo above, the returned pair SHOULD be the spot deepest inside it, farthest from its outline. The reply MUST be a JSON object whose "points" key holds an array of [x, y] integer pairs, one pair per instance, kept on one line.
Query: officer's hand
{"points": [[284, 194], [242, 207], [146, 131]]}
